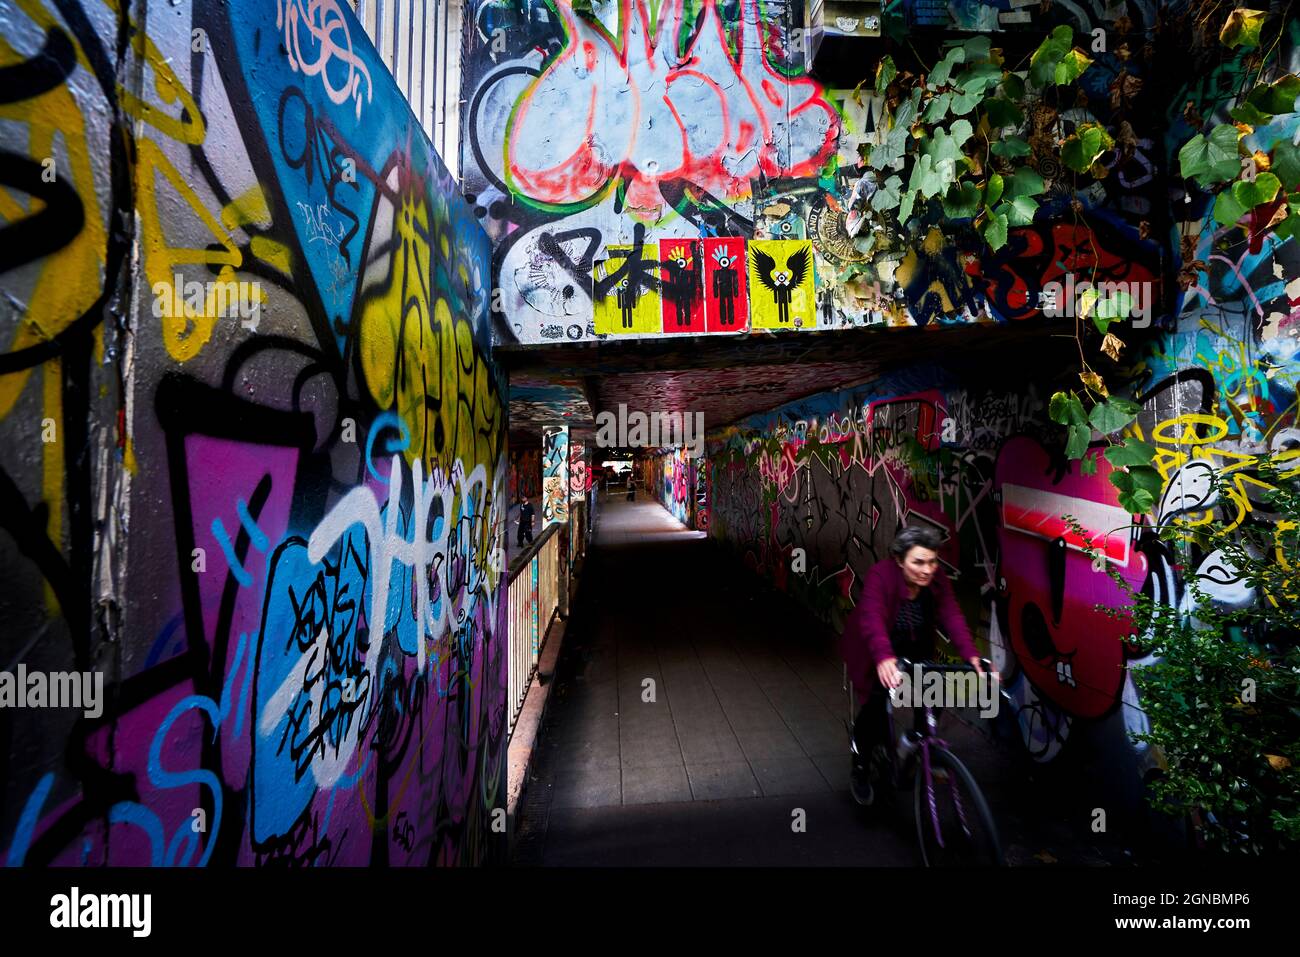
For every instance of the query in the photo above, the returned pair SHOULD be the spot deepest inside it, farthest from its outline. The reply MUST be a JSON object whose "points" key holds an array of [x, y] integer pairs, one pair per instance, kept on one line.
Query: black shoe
{"points": [[860, 786]]}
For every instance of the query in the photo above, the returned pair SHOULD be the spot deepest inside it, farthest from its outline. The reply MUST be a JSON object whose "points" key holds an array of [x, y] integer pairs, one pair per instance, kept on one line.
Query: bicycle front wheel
{"points": [[954, 825]]}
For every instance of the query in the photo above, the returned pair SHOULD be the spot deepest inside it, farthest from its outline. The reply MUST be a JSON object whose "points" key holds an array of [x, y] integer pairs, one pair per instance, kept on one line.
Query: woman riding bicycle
{"points": [[902, 601]]}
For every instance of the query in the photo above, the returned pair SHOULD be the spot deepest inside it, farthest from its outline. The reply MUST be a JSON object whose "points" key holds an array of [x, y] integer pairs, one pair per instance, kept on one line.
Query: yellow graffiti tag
{"points": [[68, 281], [1179, 443], [186, 329], [421, 358]]}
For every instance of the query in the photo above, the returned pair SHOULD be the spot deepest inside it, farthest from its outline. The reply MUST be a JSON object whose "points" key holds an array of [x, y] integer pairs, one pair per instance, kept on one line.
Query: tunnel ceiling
{"points": [[730, 379], [540, 398], [725, 395]]}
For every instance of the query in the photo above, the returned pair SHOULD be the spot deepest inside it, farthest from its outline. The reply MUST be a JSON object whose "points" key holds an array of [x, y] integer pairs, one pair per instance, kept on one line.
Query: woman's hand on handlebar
{"points": [[888, 673], [978, 664]]}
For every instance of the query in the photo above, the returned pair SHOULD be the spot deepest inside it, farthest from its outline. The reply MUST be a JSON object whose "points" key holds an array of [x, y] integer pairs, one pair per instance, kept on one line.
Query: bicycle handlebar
{"points": [[908, 664]]}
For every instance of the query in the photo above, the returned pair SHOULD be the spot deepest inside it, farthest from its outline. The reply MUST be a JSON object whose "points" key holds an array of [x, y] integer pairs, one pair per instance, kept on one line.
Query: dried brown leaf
{"points": [[1187, 275], [1112, 345], [1094, 382]]}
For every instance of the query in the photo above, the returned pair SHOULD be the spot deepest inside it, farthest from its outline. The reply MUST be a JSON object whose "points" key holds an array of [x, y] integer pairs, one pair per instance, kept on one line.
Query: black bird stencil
{"points": [[781, 282]]}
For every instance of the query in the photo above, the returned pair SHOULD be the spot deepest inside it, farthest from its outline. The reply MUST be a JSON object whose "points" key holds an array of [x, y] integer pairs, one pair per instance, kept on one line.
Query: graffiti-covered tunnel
{"points": [[699, 697], [465, 431]]}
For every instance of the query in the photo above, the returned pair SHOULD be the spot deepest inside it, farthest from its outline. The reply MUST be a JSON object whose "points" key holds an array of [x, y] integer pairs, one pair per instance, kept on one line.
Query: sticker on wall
{"points": [[726, 307], [555, 475], [625, 293], [680, 286], [579, 473], [781, 284]]}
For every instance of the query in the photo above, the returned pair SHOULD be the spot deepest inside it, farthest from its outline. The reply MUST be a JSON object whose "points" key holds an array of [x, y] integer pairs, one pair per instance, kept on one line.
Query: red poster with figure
{"points": [[726, 303], [681, 286]]}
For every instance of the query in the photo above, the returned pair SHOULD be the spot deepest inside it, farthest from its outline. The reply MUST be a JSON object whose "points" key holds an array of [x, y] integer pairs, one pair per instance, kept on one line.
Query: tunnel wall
{"points": [[206, 503], [671, 479], [525, 474]]}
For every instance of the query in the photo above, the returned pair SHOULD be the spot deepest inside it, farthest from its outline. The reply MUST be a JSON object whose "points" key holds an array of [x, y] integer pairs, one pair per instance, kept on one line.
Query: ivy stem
{"points": [[1276, 40], [911, 46]]}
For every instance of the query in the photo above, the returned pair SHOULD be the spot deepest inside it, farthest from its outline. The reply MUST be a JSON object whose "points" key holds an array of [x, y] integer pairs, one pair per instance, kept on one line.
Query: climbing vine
{"points": [[1252, 169], [968, 143]]}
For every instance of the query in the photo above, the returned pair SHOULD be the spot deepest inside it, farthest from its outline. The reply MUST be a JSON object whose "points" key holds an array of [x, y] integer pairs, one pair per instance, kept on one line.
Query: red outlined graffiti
{"points": [[734, 117]]}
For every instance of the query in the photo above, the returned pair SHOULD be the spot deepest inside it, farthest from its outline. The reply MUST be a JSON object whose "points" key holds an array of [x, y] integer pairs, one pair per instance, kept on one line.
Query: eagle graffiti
{"points": [[788, 284]]}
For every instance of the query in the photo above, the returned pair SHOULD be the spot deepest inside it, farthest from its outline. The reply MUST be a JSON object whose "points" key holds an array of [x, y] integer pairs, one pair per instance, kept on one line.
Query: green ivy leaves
{"points": [[1019, 211], [994, 231], [993, 192], [885, 73], [1134, 452], [1042, 65], [1057, 61], [929, 179], [1277, 97], [887, 196], [943, 69], [973, 84], [1011, 147], [1138, 483], [1071, 67], [1017, 206], [1213, 159], [945, 145], [1085, 145], [1286, 164], [1025, 182], [937, 108], [894, 147], [1232, 204], [1139, 487], [962, 200], [1067, 409], [1114, 307], [1112, 415], [1242, 28], [969, 88], [1290, 226]]}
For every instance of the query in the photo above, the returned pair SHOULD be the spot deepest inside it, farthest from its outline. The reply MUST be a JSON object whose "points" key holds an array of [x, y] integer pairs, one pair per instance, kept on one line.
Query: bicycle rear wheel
{"points": [[964, 822]]}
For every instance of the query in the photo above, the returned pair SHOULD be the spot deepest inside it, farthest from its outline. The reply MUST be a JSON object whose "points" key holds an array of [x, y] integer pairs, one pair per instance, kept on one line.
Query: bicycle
{"points": [[954, 825]]}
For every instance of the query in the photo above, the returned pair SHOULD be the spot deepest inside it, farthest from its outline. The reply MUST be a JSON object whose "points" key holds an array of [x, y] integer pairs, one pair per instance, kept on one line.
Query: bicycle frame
{"points": [[925, 726]]}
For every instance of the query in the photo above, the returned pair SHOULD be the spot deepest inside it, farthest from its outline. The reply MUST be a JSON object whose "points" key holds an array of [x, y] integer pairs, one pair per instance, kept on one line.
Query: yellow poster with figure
{"points": [[781, 288], [625, 292]]}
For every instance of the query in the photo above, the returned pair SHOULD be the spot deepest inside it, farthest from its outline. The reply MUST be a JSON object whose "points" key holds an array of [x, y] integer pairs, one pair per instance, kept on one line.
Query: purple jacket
{"points": [[865, 641]]}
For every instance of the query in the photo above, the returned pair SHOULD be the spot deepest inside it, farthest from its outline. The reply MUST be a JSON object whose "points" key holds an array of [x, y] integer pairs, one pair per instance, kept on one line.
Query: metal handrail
{"points": [[538, 589], [536, 581], [521, 560]]}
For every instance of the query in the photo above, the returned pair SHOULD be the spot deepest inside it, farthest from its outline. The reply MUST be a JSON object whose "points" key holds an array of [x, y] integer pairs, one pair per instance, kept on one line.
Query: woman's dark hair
{"points": [[911, 537]]}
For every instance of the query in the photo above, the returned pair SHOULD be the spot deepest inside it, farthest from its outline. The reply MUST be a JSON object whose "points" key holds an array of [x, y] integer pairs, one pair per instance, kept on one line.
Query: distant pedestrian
{"points": [[526, 514]]}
